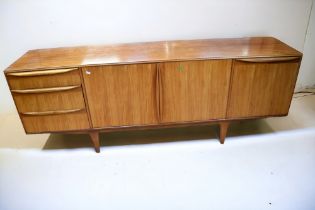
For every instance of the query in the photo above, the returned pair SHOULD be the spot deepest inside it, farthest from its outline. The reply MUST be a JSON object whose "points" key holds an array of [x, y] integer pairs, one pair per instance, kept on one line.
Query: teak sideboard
{"points": [[90, 89]]}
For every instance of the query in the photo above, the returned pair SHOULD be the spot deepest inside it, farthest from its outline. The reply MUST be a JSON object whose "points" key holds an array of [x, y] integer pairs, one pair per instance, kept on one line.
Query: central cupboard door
{"points": [[194, 90], [121, 95]]}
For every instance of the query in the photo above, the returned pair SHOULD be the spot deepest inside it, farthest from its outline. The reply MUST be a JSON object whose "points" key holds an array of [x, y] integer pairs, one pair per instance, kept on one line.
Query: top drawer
{"points": [[44, 78]]}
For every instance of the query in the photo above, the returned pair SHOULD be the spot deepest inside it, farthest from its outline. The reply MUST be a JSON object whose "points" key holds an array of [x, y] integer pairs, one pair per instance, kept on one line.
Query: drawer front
{"points": [[49, 99], [67, 121], [44, 78]]}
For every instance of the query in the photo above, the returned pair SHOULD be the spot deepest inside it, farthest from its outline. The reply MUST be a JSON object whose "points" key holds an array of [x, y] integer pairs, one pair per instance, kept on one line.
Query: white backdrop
{"points": [[33, 24]]}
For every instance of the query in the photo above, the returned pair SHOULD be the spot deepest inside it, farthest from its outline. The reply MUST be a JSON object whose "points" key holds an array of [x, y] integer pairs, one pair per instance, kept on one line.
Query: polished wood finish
{"points": [[40, 73], [194, 90], [95, 137], [52, 112], [268, 60], [148, 52], [261, 89], [51, 101], [154, 84], [158, 90], [121, 95], [68, 78], [224, 126], [55, 122], [46, 90]]}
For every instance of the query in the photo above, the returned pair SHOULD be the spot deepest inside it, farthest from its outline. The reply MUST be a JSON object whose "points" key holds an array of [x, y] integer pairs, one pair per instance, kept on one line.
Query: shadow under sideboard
{"points": [[151, 136]]}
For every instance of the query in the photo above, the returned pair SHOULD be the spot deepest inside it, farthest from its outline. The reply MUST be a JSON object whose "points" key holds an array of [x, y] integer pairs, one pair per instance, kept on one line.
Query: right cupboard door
{"points": [[261, 88], [194, 90]]}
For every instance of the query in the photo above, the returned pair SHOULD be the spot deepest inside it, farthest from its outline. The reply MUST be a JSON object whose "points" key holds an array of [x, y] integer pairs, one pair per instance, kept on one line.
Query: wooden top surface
{"points": [[149, 52]]}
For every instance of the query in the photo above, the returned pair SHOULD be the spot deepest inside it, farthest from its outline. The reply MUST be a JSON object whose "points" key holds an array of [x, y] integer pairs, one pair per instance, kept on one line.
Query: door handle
{"points": [[268, 60]]}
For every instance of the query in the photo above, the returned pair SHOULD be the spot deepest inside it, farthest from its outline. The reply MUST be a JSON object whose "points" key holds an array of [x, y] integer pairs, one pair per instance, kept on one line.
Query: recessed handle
{"points": [[46, 90], [268, 60], [157, 92], [51, 112], [41, 73], [161, 68]]}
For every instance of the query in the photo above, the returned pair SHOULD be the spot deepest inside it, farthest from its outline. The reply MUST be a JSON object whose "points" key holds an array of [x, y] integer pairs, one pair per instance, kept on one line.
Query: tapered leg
{"points": [[94, 135], [223, 131]]}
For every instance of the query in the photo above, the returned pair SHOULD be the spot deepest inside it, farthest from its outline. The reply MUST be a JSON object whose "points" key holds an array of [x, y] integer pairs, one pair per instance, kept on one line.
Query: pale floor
{"points": [[264, 164]]}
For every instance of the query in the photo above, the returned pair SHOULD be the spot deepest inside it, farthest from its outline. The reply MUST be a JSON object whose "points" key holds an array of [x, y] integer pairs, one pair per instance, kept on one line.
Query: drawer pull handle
{"points": [[51, 112], [41, 73], [46, 90], [267, 60]]}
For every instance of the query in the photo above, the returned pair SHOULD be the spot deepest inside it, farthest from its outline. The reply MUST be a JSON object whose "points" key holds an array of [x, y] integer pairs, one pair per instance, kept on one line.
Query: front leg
{"points": [[94, 135], [223, 130]]}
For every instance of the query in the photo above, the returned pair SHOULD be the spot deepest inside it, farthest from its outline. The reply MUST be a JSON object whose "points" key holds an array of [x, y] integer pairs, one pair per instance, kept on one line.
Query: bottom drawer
{"points": [[55, 122]]}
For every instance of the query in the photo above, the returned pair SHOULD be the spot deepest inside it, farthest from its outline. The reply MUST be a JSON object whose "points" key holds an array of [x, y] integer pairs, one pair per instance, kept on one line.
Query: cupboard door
{"points": [[261, 89], [121, 95], [194, 90]]}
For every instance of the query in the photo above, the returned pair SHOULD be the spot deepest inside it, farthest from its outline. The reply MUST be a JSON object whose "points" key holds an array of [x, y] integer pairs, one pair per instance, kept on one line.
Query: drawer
{"points": [[66, 120], [44, 78], [49, 99]]}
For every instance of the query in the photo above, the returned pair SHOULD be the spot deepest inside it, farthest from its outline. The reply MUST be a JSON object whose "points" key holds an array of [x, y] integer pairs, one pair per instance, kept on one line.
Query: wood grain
{"points": [[70, 78], [121, 95], [59, 122], [153, 84], [52, 101], [261, 89], [194, 90], [52, 112], [95, 138], [149, 52], [40, 73], [46, 90], [268, 60], [224, 126]]}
